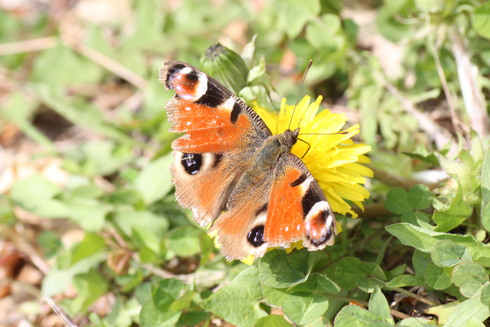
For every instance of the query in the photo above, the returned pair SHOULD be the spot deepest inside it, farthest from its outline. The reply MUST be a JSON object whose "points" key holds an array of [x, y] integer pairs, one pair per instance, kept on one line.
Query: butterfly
{"points": [[235, 175]]}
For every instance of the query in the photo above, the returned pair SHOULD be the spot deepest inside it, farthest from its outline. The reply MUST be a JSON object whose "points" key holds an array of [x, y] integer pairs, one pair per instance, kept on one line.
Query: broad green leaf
{"points": [[404, 280], [90, 286], [193, 318], [485, 189], [447, 253], [303, 308], [279, 269], [306, 302], [346, 272], [436, 278], [60, 67], [415, 322], [322, 33], [88, 213], [184, 241], [165, 292], [469, 276], [378, 305], [237, 302], [414, 236], [352, 315], [473, 308], [127, 218], [57, 280], [481, 20], [272, 321], [442, 312], [457, 212], [155, 180], [150, 316], [424, 240], [485, 294], [94, 158], [397, 201], [420, 197], [469, 270], [37, 195], [145, 237], [295, 15], [90, 245], [469, 288]]}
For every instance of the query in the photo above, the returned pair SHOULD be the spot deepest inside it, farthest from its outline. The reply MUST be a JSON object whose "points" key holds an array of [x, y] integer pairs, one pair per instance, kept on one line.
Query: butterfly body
{"points": [[235, 175]]}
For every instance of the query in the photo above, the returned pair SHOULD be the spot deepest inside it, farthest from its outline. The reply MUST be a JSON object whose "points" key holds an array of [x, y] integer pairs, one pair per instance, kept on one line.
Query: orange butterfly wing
{"points": [[214, 119]]}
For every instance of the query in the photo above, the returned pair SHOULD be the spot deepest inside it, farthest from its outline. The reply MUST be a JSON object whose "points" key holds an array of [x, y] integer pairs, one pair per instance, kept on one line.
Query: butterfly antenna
{"points": [[299, 92], [309, 146]]}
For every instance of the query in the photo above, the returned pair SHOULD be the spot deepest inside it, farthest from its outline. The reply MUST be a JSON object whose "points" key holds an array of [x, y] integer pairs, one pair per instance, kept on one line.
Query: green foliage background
{"points": [[85, 99]]}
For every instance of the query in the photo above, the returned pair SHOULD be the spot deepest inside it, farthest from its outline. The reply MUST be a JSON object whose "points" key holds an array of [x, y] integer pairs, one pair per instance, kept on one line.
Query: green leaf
{"points": [[352, 315], [90, 245], [308, 301], [469, 276], [415, 322], [321, 33], [166, 292], [481, 20], [193, 318], [346, 272], [57, 280], [420, 197], [397, 201], [184, 241], [88, 213], [425, 240], [98, 157], [150, 316], [127, 218], [155, 180], [447, 253], [485, 191], [237, 302], [469, 270], [378, 305], [295, 15], [457, 212], [303, 308], [404, 280], [414, 236], [279, 269], [436, 277], [272, 321], [485, 294], [90, 286], [469, 288], [38, 196], [145, 237], [473, 308], [61, 66]]}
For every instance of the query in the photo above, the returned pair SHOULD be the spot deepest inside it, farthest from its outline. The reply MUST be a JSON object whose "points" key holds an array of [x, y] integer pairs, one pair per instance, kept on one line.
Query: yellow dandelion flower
{"points": [[332, 158]]}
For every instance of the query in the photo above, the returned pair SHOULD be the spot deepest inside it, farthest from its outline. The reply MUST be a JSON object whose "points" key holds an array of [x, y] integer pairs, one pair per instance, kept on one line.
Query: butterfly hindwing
{"points": [[298, 208]]}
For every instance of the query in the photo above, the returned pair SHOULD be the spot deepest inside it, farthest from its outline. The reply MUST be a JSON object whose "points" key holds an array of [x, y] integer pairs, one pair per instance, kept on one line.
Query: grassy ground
{"points": [[91, 234]]}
